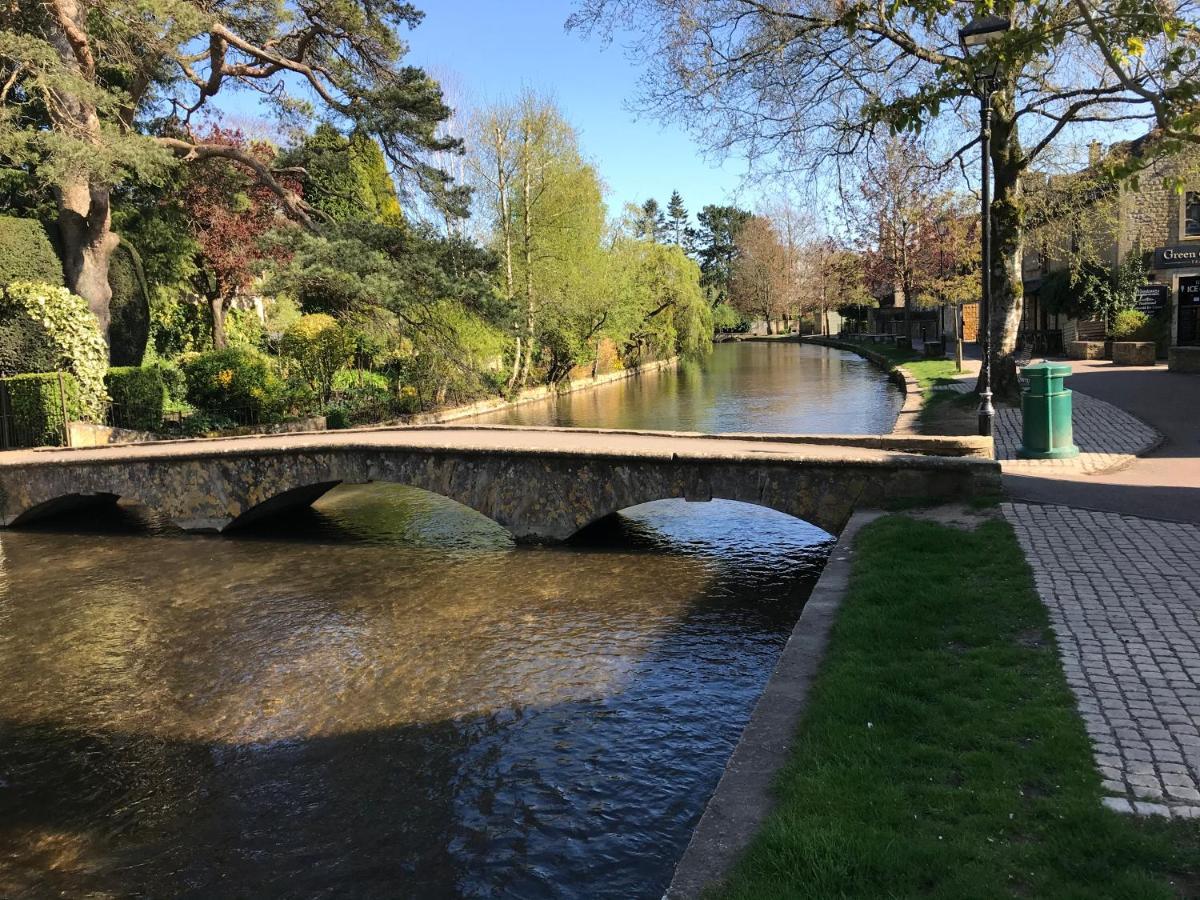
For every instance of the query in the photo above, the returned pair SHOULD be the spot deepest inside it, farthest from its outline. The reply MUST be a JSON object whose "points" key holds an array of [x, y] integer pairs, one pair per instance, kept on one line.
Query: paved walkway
{"points": [[1108, 438], [1114, 558], [1124, 600]]}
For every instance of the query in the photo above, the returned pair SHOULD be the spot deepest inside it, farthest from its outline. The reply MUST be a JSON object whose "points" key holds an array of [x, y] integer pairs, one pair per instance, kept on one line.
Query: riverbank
{"points": [[941, 754], [927, 409], [534, 395]]}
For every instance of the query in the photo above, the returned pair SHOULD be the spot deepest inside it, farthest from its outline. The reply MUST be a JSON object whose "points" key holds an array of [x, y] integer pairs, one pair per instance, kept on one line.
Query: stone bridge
{"points": [[543, 484]]}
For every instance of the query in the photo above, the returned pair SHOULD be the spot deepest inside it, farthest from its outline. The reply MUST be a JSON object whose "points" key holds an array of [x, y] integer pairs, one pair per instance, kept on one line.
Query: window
{"points": [[1191, 215]]}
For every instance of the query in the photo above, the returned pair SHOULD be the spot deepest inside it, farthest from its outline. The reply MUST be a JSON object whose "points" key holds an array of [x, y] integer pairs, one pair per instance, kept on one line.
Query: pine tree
{"points": [[652, 224], [678, 216]]}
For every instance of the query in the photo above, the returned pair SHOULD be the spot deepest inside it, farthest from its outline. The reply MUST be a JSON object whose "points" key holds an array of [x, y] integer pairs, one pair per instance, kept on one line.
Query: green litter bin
{"points": [[1046, 413]]}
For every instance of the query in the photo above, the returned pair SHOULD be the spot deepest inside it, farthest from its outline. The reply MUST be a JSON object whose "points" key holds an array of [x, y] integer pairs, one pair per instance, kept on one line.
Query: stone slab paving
{"points": [[1124, 601], [1107, 437]]}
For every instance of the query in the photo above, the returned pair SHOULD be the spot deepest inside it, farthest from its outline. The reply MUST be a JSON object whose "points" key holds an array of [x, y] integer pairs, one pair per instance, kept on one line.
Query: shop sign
{"points": [[1176, 257], [1152, 298], [1189, 291]]}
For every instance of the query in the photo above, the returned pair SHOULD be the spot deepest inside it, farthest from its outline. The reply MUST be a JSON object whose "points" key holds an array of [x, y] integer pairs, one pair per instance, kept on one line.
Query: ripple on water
{"points": [[382, 695]]}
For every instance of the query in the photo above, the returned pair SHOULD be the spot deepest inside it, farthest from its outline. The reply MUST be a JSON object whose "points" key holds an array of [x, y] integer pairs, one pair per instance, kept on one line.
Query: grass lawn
{"points": [[941, 755]]}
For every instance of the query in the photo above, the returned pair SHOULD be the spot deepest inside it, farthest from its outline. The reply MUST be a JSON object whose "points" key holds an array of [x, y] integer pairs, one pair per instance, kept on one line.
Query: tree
{"points": [[763, 273], [95, 96], [651, 223], [546, 206], [345, 178], [228, 214], [911, 229], [716, 247], [677, 216], [808, 83]]}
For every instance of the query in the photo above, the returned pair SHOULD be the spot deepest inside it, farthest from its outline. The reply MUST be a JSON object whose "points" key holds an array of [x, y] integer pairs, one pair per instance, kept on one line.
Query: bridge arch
{"points": [[61, 504]]}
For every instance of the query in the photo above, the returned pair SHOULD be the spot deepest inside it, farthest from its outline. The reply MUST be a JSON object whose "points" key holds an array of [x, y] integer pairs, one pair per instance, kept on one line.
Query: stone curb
{"points": [[744, 796]]}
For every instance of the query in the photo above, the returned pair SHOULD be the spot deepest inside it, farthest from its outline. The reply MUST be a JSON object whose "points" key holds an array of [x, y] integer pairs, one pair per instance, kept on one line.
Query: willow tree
{"points": [[810, 82], [94, 93], [546, 205]]}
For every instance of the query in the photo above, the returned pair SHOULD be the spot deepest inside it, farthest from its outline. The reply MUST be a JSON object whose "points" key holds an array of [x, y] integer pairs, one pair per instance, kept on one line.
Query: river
{"points": [[385, 697]]}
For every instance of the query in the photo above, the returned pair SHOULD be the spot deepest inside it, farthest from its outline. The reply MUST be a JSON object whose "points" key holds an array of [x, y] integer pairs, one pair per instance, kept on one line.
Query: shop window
{"points": [[1190, 227]]}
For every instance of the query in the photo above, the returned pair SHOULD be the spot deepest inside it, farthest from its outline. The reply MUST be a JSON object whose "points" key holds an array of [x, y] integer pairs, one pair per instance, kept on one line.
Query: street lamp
{"points": [[975, 37]]}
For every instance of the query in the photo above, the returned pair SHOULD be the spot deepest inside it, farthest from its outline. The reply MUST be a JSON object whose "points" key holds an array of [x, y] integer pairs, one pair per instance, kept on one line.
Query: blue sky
{"points": [[488, 50]]}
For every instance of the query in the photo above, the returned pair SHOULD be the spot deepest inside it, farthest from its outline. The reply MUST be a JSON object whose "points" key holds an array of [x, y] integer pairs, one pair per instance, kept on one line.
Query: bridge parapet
{"points": [[543, 484]]}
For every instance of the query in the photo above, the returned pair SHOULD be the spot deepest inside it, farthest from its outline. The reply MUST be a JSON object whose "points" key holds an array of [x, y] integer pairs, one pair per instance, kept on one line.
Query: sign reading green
{"points": [[1176, 257]]}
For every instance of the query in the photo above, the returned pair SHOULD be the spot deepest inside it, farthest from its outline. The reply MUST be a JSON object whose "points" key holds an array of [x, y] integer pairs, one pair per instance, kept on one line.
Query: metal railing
{"points": [[39, 427]]}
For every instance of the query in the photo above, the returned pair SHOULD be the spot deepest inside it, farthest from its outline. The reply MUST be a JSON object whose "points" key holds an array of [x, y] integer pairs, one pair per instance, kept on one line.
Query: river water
{"points": [[385, 697]]}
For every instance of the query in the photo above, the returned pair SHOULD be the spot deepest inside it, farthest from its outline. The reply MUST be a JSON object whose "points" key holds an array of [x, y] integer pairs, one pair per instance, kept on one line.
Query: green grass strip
{"points": [[941, 754], [928, 373]]}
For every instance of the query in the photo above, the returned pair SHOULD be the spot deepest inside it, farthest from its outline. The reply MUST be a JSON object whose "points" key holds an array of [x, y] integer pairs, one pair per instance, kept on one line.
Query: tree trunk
{"points": [[84, 212], [1008, 232], [516, 368], [216, 305], [88, 242], [527, 256]]}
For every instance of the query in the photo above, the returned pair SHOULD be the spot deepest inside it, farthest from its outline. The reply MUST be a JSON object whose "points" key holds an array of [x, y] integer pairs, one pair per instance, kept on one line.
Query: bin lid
{"points": [[1047, 370]]}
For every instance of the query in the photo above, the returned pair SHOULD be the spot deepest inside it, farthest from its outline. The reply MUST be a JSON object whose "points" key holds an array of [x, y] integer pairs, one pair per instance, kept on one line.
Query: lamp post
{"points": [[974, 37]]}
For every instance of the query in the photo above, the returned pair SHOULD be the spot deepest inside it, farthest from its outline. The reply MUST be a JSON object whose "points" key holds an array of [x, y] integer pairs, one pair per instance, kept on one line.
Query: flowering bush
{"points": [[237, 384]]}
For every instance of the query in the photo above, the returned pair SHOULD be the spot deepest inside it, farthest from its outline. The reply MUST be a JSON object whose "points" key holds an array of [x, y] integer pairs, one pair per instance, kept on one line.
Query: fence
{"points": [[40, 426]]}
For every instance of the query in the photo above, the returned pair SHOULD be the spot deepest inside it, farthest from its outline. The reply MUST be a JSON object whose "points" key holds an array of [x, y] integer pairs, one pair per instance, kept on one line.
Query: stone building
{"points": [[1157, 218]]}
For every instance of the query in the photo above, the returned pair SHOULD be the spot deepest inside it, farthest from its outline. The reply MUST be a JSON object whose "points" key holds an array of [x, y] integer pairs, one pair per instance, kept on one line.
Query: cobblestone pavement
{"points": [[1124, 600], [1107, 437]]}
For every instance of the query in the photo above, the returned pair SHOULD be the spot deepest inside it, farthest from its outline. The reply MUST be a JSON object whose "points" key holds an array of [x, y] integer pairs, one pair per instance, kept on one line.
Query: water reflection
{"points": [[383, 696], [777, 387]]}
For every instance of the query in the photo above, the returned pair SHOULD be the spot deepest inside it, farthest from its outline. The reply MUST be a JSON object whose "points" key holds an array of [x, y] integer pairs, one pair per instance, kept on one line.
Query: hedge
{"points": [[130, 308], [23, 344], [35, 407], [26, 253], [137, 394]]}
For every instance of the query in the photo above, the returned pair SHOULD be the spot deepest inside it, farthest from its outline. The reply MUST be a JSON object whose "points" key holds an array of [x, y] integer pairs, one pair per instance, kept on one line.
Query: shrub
{"points": [[1130, 325], [173, 381], [319, 346], [137, 395], [178, 326], [360, 398], [27, 254], [68, 328], [236, 383], [356, 379], [37, 407], [130, 308]]}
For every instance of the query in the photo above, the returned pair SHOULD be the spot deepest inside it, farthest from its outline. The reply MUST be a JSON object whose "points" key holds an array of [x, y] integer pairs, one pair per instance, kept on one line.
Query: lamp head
{"points": [[977, 35], [981, 31]]}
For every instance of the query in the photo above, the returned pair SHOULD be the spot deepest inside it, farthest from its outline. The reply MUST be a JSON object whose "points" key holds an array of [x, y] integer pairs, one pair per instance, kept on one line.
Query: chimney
{"points": [[1095, 150]]}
